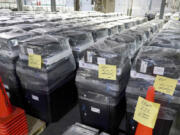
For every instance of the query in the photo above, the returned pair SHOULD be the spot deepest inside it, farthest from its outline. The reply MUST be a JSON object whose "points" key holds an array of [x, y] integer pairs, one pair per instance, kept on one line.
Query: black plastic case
{"points": [[52, 105], [101, 111]]}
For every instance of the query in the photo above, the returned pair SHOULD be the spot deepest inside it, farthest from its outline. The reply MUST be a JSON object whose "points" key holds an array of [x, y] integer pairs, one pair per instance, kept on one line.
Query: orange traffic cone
{"points": [[12, 119], [141, 129], [5, 105]]}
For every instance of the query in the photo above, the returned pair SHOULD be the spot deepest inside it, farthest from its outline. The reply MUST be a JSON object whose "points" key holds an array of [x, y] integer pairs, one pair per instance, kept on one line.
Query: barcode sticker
{"points": [[89, 57], [143, 68], [96, 110], [158, 71], [30, 51], [101, 60], [35, 97], [88, 65]]}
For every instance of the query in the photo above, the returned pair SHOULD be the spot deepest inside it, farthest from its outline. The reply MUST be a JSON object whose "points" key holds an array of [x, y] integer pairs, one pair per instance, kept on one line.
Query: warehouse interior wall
{"points": [[127, 7], [139, 7], [86, 5], [10, 4], [62, 5]]}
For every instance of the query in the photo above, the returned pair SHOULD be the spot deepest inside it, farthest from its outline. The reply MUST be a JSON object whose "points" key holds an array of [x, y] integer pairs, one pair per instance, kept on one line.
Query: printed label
{"points": [[96, 110], [89, 57], [158, 71], [35, 97], [146, 112], [165, 85], [87, 65], [30, 51], [143, 68], [101, 60]]}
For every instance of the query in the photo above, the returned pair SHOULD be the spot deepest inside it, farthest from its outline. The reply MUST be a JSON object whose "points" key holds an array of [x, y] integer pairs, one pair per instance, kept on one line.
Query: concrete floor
{"points": [[69, 119]]}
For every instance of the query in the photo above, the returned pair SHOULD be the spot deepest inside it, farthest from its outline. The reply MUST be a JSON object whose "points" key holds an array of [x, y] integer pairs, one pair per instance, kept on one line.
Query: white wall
{"points": [[85, 5], [8, 4], [62, 5], [140, 7], [121, 6], [69, 3]]}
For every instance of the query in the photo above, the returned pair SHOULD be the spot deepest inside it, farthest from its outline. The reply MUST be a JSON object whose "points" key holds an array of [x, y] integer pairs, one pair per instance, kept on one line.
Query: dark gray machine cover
{"points": [[9, 51], [107, 52], [57, 62], [79, 42], [152, 61]]}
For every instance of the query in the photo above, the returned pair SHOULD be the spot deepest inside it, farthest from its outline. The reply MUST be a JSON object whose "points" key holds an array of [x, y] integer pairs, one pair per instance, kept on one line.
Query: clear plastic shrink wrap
{"points": [[9, 51], [107, 52], [168, 37], [152, 61], [98, 33], [57, 62], [79, 41]]}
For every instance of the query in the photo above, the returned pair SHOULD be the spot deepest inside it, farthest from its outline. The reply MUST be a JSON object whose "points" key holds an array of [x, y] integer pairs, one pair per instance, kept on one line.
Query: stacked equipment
{"points": [[48, 87], [101, 101], [9, 50], [159, 58]]}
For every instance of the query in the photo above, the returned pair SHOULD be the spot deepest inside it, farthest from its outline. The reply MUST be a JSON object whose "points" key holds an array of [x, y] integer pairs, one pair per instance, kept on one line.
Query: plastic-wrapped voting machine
{"points": [[6, 29], [129, 41], [128, 23], [163, 123], [152, 61], [9, 50], [80, 129], [142, 33], [50, 87], [139, 36], [98, 33], [48, 30], [107, 52], [120, 25], [57, 59], [10, 22], [79, 42], [168, 37], [173, 25], [26, 27], [112, 28], [101, 101], [154, 25]]}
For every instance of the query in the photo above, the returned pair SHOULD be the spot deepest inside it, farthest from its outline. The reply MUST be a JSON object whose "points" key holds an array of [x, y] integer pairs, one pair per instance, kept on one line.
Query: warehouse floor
{"points": [[69, 119]]}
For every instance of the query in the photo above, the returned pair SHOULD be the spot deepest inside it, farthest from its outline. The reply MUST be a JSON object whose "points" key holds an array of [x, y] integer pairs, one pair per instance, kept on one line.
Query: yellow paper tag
{"points": [[34, 61], [177, 18], [107, 72], [146, 112], [165, 85]]}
